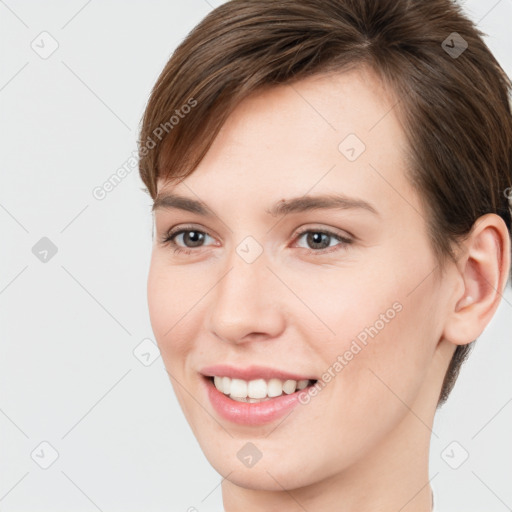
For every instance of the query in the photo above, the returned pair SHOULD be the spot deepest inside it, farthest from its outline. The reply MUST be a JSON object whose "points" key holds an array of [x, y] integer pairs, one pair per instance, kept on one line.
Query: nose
{"points": [[246, 304]]}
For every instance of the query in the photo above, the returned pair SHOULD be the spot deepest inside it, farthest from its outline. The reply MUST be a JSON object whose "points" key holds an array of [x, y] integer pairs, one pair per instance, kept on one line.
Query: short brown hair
{"points": [[453, 100]]}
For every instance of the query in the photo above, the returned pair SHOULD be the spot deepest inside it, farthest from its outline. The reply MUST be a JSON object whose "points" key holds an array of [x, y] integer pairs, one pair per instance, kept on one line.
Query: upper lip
{"points": [[251, 373]]}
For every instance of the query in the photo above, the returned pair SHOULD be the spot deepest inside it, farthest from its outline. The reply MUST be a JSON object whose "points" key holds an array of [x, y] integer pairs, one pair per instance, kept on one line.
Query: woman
{"points": [[331, 183]]}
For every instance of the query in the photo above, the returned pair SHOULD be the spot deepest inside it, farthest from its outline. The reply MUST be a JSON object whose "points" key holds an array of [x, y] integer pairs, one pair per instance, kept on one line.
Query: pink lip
{"points": [[244, 413], [251, 373]]}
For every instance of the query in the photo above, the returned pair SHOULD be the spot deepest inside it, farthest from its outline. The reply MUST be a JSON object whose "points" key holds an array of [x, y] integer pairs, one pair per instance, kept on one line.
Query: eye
{"points": [[194, 236], [319, 240]]}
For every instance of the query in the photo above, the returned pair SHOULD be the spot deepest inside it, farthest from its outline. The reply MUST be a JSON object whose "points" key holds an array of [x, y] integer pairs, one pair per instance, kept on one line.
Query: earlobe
{"points": [[484, 269]]}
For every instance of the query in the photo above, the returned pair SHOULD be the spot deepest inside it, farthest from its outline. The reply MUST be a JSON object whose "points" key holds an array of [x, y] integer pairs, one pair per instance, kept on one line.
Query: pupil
{"points": [[317, 237], [195, 234]]}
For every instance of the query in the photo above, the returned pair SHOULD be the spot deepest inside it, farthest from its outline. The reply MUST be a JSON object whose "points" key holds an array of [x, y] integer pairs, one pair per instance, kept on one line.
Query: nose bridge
{"points": [[244, 299]]}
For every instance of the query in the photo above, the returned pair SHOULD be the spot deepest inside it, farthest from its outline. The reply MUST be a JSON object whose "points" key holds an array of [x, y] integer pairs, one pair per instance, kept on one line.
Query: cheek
{"points": [[170, 303], [381, 337], [171, 310], [374, 391], [159, 300]]}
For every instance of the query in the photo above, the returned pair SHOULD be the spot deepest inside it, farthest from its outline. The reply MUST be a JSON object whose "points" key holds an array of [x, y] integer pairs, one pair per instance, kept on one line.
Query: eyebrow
{"points": [[285, 206]]}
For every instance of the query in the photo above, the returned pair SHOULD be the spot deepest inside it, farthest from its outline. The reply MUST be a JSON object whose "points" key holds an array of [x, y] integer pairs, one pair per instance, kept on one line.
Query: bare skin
{"points": [[363, 442]]}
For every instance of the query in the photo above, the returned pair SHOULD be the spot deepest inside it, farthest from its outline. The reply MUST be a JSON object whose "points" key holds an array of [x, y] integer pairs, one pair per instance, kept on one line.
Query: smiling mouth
{"points": [[258, 390]]}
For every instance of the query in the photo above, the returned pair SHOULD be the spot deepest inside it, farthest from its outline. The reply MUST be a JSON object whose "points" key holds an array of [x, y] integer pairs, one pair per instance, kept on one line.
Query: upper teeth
{"points": [[259, 388]]}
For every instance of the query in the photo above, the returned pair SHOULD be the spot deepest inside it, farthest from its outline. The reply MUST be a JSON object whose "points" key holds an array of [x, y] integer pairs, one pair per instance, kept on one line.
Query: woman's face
{"points": [[362, 314]]}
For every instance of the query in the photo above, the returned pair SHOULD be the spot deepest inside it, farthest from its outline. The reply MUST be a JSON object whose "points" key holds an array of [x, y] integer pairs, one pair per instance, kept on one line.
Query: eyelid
{"points": [[332, 231]]}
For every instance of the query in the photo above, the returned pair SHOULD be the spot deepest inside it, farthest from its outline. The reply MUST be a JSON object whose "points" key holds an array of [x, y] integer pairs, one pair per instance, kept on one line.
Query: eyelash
{"points": [[168, 239]]}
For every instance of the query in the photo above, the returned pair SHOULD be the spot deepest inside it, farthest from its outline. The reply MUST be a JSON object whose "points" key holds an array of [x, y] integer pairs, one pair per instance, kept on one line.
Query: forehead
{"points": [[332, 132]]}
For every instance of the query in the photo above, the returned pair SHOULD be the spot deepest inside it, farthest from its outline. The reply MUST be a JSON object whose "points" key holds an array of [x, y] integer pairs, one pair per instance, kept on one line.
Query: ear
{"points": [[483, 269]]}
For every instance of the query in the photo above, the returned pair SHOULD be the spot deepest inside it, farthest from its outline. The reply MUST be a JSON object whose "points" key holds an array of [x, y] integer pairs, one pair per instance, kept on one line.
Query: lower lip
{"points": [[244, 413]]}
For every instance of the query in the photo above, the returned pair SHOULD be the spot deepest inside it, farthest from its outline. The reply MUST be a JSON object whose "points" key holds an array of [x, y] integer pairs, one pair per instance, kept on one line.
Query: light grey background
{"points": [[69, 326]]}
